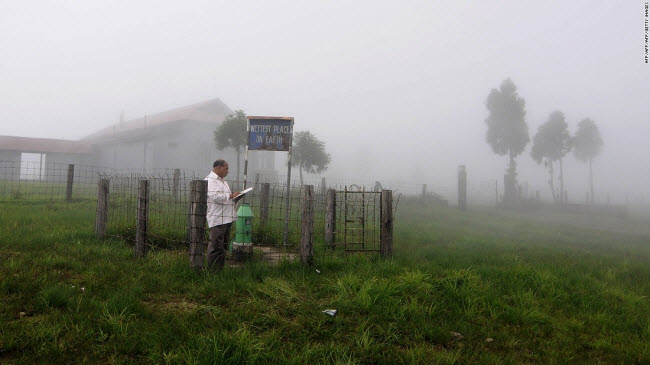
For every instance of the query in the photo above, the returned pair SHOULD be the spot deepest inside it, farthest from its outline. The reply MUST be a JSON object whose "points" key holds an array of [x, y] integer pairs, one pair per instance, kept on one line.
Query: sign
{"points": [[272, 134], [269, 133]]}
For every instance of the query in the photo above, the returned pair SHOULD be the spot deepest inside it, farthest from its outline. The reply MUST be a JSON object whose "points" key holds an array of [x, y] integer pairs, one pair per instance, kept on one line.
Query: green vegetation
{"points": [[562, 290]]}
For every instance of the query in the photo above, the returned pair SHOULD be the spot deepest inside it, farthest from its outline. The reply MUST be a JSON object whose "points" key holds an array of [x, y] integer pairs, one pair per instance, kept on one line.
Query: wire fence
{"points": [[351, 224], [47, 182], [341, 222], [338, 216], [52, 181]]}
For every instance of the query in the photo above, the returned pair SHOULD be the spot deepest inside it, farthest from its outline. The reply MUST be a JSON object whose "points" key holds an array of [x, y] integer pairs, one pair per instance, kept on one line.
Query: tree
{"points": [[507, 131], [308, 153], [232, 134], [552, 142], [587, 145]]}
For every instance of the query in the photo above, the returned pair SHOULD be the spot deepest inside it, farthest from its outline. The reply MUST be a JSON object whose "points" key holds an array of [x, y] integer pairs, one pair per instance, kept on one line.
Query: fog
{"points": [[397, 90]]}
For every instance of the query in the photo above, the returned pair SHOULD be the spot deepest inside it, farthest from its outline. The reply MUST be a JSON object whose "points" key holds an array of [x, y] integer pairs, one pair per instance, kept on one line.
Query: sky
{"points": [[396, 89]]}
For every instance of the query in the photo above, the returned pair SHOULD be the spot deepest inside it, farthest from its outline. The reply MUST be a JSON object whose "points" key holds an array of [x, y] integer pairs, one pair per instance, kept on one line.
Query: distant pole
{"points": [[330, 219], [40, 169], [142, 220], [307, 224], [68, 192], [424, 192], [462, 187], [177, 177], [386, 226]]}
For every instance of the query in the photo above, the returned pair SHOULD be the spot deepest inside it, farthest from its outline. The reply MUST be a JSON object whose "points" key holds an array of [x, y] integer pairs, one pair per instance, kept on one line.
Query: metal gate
{"points": [[361, 214]]}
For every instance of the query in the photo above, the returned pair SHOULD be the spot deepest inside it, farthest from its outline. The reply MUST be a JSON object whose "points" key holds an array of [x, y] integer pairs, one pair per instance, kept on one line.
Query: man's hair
{"points": [[219, 162]]}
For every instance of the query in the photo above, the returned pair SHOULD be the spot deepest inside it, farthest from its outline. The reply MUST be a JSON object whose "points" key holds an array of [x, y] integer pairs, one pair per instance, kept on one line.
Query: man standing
{"points": [[221, 213]]}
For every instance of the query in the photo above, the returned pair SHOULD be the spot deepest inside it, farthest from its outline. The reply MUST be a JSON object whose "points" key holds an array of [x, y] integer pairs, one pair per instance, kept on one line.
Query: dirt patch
{"points": [[173, 305], [267, 254]]}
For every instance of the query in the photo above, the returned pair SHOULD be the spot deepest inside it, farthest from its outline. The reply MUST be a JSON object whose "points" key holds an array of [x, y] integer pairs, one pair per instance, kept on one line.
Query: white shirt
{"points": [[221, 209]]}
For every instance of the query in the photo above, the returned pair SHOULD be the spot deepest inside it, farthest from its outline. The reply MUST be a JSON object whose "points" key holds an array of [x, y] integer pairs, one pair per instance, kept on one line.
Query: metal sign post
{"points": [[271, 134], [286, 207]]}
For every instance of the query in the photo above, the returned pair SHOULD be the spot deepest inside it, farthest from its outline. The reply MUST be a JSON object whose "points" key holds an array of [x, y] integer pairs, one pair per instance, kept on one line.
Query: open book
{"points": [[242, 194]]}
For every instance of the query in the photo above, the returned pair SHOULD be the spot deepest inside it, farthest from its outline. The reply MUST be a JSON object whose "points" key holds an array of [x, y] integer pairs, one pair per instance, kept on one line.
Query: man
{"points": [[221, 213]]}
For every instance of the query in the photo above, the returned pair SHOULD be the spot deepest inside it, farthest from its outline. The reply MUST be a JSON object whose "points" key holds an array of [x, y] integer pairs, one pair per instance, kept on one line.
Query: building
{"points": [[27, 158], [177, 138]]}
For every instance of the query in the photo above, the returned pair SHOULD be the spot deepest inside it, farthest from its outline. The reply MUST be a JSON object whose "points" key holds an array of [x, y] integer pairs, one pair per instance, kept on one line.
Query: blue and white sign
{"points": [[269, 134]]}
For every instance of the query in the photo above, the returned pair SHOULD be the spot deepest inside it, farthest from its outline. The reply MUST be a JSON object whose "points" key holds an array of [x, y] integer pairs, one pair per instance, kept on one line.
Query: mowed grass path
{"points": [[516, 290]]}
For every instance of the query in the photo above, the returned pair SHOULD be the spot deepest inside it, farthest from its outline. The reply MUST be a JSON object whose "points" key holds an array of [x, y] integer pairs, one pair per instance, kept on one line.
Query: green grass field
{"points": [[572, 288]]}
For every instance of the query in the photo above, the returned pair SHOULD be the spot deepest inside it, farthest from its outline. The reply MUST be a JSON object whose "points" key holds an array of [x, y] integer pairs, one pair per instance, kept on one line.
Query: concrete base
{"points": [[242, 252]]}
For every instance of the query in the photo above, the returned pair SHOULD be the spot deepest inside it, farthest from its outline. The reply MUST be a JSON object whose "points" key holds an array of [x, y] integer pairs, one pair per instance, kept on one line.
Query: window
{"points": [[32, 166]]}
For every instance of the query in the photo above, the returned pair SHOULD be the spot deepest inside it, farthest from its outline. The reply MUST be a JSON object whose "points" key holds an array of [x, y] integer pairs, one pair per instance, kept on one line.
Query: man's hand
{"points": [[233, 195]]}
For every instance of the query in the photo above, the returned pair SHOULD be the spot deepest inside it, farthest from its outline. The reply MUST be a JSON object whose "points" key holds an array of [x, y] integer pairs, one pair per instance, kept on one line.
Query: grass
{"points": [[545, 286]]}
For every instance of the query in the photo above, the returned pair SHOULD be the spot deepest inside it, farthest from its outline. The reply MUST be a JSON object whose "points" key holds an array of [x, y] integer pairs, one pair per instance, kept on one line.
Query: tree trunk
{"points": [[591, 182], [550, 180], [511, 192], [511, 168], [561, 183]]}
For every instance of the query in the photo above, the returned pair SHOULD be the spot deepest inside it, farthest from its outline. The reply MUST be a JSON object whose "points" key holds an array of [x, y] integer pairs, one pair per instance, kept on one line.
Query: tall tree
{"points": [[507, 131], [587, 145], [232, 134], [308, 153], [552, 142]]}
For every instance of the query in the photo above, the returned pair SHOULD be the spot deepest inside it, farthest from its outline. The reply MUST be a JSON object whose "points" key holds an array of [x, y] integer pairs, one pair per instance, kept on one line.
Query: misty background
{"points": [[397, 91]]}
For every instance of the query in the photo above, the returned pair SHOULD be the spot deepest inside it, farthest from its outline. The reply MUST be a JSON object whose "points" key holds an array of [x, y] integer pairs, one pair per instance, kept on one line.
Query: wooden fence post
{"points": [[142, 218], [386, 226], [198, 211], [307, 224], [188, 221], [264, 204], [462, 187], [101, 217], [330, 219], [175, 183], [68, 190]]}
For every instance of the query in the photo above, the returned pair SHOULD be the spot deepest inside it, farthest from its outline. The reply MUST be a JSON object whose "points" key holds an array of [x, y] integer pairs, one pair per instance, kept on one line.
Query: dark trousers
{"points": [[219, 236]]}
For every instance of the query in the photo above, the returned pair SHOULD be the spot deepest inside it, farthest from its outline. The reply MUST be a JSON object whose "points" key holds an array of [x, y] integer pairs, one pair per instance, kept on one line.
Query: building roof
{"points": [[210, 111], [43, 145]]}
